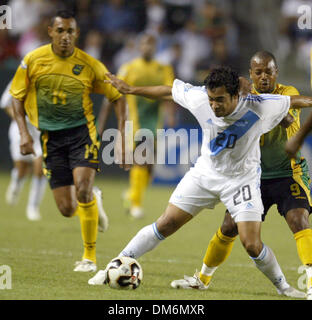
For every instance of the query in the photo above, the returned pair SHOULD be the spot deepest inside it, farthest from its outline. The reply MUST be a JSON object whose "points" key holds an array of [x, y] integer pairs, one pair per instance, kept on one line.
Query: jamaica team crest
{"points": [[77, 69]]}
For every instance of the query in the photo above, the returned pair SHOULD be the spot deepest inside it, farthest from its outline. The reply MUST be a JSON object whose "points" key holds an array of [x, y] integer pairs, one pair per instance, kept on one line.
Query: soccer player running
{"points": [[22, 164], [52, 86], [284, 182], [228, 168], [144, 113]]}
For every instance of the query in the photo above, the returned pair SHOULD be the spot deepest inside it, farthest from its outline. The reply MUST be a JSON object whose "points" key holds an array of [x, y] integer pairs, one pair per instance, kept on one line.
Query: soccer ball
{"points": [[124, 273]]}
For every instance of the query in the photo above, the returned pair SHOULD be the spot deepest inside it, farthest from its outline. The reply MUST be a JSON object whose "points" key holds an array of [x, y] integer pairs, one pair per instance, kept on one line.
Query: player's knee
{"points": [[253, 247], [67, 209], [84, 192], [298, 219], [229, 227]]}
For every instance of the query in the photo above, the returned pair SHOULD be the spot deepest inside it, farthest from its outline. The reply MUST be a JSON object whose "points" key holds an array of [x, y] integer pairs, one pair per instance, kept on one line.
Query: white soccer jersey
{"points": [[231, 144]]}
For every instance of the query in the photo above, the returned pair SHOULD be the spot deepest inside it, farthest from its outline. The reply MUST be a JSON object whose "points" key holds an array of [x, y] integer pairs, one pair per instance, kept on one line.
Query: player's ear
{"points": [[250, 73], [50, 29]]}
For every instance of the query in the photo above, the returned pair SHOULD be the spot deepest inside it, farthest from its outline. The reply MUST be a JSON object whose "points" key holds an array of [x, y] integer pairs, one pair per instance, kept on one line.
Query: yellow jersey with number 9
{"points": [[56, 91]]}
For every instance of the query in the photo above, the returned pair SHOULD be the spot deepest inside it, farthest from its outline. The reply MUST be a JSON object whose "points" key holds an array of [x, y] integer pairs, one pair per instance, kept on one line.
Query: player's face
{"points": [[147, 47], [221, 102], [263, 73], [64, 34]]}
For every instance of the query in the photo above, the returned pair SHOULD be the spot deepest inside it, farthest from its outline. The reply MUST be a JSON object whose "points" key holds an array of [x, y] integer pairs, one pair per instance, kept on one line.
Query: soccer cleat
{"points": [[292, 293], [136, 212], [189, 283], [103, 219], [85, 265], [99, 279], [33, 213]]}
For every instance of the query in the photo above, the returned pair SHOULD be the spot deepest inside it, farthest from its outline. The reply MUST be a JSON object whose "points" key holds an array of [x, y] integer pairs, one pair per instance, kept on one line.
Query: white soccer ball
{"points": [[124, 273]]}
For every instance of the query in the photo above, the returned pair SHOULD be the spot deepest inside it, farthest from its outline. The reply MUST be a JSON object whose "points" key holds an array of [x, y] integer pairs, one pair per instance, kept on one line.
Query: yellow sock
{"points": [[88, 214], [219, 248], [139, 179], [304, 245]]}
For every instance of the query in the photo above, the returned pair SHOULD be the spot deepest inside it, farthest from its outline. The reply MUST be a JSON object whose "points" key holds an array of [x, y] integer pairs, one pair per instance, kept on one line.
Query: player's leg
{"points": [[149, 237], [21, 165], [139, 178], [18, 177], [219, 248], [37, 190], [263, 257], [187, 200], [294, 205], [87, 210], [298, 221]]}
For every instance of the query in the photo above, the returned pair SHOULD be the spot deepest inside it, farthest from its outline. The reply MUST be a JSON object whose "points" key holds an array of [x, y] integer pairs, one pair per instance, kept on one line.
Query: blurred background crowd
{"points": [[193, 35]]}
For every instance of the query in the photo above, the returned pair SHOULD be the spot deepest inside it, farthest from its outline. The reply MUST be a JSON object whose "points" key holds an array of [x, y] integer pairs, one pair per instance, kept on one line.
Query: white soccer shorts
{"points": [[240, 194], [14, 139]]}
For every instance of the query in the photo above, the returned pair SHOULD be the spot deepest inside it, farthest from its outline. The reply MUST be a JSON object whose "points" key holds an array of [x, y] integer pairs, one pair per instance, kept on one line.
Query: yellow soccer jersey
{"points": [[139, 72], [56, 91], [274, 161]]}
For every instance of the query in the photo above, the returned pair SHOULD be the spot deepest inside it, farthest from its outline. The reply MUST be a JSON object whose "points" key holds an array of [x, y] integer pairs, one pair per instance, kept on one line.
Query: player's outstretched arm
{"points": [[26, 143], [293, 144], [299, 102], [151, 92]]}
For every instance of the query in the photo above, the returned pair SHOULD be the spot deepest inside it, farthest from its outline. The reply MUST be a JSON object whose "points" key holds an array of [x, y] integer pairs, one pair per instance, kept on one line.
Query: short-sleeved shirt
{"points": [[144, 112], [231, 144], [56, 90], [274, 161]]}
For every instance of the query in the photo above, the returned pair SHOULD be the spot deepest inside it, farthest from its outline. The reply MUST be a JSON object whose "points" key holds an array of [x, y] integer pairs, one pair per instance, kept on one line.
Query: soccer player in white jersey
{"points": [[24, 163], [228, 169]]}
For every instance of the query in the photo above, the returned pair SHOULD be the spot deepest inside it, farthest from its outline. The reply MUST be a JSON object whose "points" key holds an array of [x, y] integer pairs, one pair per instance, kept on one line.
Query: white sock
{"points": [[145, 240], [38, 186], [309, 277], [16, 183], [267, 264], [208, 271]]}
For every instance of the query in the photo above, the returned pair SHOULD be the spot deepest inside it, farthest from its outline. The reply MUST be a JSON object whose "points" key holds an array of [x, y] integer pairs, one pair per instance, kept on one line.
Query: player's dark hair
{"points": [[223, 76], [64, 14], [264, 55]]}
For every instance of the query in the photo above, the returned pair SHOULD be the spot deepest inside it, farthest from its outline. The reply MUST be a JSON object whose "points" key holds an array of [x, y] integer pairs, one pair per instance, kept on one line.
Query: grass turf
{"points": [[41, 254]]}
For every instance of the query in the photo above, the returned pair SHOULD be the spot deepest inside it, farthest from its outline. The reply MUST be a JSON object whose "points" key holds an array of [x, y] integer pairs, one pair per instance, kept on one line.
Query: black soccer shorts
{"points": [[67, 149], [287, 193]]}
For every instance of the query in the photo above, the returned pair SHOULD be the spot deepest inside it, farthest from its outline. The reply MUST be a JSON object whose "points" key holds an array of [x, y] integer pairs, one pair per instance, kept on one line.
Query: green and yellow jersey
{"points": [[56, 91], [142, 111], [274, 160]]}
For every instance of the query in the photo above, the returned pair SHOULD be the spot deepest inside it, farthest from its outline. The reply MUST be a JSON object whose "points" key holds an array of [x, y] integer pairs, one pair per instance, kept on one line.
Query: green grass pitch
{"points": [[41, 254]]}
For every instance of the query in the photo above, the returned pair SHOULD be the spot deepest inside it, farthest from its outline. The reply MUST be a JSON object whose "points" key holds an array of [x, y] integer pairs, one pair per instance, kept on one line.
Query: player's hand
{"points": [[292, 146], [121, 152], [27, 145], [119, 84], [244, 86], [287, 121]]}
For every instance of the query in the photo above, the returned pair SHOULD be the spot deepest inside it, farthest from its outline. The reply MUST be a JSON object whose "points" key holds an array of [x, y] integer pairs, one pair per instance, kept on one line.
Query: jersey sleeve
{"points": [[20, 80], [272, 109], [6, 98], [110, 92], [187, 95]]}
